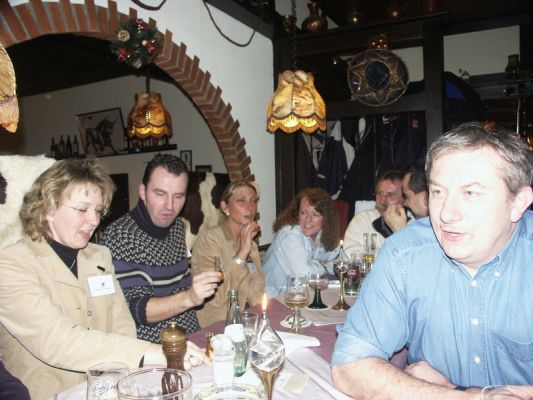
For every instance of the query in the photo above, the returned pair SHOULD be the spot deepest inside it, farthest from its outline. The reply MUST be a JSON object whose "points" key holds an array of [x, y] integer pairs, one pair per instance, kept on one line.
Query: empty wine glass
{"points": [[296, 296], [318, 281]]}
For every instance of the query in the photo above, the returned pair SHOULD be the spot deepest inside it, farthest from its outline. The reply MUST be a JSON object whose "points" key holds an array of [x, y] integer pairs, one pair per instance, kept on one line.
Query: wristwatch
{"points": [[238, 260]]}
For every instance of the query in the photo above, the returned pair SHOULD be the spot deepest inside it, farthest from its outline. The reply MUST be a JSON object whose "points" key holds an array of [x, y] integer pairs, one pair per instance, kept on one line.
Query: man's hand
{"points": [[203, 285], [395, 217], [425, 372]]}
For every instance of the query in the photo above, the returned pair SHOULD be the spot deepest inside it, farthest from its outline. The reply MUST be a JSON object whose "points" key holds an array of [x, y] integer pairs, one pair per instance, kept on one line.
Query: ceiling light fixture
{"points": [[296, 104]]}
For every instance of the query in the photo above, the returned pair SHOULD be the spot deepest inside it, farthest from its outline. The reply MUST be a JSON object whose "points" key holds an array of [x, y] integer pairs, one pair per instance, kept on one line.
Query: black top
{"points": [[67, 254]]}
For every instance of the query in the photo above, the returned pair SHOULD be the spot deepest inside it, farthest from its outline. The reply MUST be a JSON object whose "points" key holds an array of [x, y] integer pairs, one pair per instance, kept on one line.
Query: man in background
{"points": [[415, 194], [388, 193], [455, 288], [150, 255]]}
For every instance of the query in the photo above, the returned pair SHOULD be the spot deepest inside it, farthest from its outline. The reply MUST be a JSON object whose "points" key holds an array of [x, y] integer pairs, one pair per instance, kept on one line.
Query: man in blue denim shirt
{"points": [[456, 288]]}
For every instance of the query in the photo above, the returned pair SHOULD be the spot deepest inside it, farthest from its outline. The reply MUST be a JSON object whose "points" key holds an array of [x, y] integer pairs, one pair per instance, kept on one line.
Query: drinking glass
{"points": [[498, 392], [249, 323], [102, 380], [267, 354], [318, 281], [296, 296], [152, 384], [353, 275], [370, 243]]}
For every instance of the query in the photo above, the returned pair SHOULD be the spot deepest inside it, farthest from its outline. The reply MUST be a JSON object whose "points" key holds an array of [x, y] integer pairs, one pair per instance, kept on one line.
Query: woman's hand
{"points": [[194, 356], [247, 234]]}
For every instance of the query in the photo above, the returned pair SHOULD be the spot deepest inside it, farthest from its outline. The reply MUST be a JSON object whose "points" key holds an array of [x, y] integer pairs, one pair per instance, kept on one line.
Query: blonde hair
{"points": [[233, 186], [55, 184]]}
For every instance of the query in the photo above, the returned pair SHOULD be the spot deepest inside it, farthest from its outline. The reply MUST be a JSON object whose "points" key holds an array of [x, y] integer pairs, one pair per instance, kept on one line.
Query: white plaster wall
{"points": [[483, 52]]}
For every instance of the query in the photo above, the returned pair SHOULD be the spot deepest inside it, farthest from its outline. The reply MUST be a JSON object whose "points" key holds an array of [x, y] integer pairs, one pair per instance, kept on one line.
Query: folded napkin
{"points": [[294, 341]]}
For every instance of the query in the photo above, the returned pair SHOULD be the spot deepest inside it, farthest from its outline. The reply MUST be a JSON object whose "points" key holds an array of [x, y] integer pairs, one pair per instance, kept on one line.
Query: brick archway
{"points": [[37, 18]]}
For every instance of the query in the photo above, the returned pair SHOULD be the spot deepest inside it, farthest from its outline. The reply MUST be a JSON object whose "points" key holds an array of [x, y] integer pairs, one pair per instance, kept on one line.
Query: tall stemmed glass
{"points": [[296, 296], [267, 353], [341, 266], [317, 281]]}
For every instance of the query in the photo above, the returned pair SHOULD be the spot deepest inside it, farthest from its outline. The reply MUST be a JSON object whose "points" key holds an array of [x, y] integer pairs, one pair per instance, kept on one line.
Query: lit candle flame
{"points": [[264, 303]]}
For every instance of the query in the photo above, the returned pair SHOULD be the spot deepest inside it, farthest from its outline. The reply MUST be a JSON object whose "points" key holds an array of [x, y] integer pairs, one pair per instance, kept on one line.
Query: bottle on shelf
{"points": [[61, 147], [75, 147], [235, 330], [53, 149], [68, 148]]}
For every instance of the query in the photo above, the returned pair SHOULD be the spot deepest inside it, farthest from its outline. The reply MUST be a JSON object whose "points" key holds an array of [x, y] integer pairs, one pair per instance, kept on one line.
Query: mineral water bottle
{"points": [[235, 330]]}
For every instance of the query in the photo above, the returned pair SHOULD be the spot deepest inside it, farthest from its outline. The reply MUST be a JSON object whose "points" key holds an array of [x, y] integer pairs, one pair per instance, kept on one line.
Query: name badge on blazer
{"points": [[101, 285]]}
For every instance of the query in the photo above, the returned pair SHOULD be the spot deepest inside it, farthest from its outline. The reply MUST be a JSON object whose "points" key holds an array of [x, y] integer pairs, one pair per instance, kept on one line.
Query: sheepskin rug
{"points": [[17, 173]]}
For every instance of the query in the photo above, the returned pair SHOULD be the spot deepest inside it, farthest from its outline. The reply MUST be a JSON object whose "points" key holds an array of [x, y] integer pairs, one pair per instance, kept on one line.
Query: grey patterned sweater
{"points": [[150, 262]]}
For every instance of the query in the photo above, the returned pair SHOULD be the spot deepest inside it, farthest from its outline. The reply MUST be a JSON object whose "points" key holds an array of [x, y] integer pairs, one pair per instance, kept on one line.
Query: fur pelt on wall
{"points": [[17, 173]]}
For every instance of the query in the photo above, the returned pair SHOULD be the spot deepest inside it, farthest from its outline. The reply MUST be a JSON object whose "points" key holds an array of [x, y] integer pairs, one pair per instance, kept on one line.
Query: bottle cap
{"points": [[221, 343], [235, 332]]}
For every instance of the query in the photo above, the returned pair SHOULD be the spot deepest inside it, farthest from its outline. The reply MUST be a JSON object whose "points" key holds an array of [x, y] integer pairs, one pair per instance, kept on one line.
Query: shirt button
{"points": [[477, 360], [473, 283], [89, 313], [475, 322], [497, 274]]}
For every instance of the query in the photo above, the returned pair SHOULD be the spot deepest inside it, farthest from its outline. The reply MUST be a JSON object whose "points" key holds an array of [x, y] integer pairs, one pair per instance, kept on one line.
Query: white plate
{"points": [[234, 392]]}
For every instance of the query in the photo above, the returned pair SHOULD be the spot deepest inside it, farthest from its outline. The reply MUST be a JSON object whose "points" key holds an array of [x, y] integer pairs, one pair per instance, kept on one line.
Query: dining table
{"points": [[305, 372]]}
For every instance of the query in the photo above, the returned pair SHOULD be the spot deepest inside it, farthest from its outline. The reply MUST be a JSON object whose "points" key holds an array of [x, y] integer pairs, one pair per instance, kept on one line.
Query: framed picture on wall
{"points": [[204, 168], [186, 157], [102, 132]]}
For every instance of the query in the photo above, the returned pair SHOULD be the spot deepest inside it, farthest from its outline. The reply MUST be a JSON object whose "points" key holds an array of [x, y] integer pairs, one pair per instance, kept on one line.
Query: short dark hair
{"points": [[170, 162], [391, 175], [417, 181]]}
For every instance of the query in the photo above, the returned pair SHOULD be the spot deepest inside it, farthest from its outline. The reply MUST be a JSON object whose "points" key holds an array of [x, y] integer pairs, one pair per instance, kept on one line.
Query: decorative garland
{"points": [[137, 43]]}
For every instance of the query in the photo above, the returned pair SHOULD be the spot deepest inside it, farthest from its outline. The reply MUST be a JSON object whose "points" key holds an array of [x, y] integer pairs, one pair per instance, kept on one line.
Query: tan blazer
{"points": [[218, 241], [51, 329]]}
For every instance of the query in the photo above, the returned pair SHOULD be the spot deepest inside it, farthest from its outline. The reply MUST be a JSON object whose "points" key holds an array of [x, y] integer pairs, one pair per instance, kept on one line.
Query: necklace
{"points": [[73, 264]]}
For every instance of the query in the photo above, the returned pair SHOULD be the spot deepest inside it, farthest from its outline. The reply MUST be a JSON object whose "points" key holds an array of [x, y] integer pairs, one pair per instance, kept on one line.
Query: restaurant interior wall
{"points": [[52, 114], [244, 76]]}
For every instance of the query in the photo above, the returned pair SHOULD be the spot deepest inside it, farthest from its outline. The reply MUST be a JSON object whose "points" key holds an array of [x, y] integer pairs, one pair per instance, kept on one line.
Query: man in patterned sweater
{"points": [[150, 255]]}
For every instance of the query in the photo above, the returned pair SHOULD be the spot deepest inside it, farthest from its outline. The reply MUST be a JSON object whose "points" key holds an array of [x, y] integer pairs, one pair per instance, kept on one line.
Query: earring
{"points": [[227, 213]]}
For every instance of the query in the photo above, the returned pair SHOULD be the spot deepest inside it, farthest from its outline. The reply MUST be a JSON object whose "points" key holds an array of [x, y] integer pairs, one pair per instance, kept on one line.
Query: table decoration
{"points": [[267, 352], [341, 266]]}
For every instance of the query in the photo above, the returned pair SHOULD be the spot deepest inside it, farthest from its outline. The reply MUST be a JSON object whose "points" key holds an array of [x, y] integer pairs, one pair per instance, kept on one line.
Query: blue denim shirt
{"points": [[291, 252], [476, 331]]}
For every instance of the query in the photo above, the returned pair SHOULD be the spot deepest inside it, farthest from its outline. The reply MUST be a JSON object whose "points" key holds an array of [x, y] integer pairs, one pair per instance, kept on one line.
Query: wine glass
{"points": [[267, 354], [296, 296], [318, 281], [341, 266]]}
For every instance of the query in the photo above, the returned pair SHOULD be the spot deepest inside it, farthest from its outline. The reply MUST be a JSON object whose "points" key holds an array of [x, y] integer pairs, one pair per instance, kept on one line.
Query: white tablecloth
{"points": [[302, 361]]}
